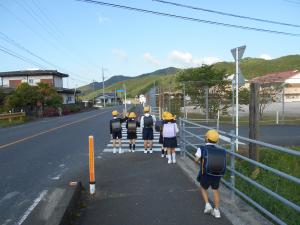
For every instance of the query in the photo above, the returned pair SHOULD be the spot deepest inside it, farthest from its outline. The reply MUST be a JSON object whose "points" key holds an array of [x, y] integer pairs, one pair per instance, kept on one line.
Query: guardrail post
{"points": [[180, 136], [184, 138], [232, 164]]}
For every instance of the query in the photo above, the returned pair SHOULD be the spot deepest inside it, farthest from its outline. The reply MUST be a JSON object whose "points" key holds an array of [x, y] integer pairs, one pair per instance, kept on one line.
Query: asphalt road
{"points": [[38, 156]]}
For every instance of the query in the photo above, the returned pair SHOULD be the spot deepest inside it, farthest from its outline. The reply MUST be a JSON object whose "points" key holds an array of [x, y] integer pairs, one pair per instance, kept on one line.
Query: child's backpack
{"points": [[213, 160], [158, 125], [116, 125], [131, 126], [148, 121], [169, 130]]}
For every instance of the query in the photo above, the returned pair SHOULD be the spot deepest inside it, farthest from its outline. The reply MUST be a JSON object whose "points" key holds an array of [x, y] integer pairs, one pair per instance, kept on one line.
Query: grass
{"points": [[6, 123], [285, 188]]}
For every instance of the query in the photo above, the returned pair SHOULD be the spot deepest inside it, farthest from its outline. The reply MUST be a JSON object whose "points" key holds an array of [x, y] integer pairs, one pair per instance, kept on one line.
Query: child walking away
{"points": [[131, 126], [147, 122], [159, 128], [170, 130], [115, 125], [212, 167]]}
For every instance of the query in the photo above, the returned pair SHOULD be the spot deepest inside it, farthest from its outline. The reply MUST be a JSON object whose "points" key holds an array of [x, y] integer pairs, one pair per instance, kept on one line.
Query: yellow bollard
{"points": [[92, 165]]}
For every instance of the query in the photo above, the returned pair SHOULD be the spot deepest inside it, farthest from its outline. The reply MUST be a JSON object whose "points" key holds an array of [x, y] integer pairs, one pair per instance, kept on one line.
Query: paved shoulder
{"points": [[135, 189]]}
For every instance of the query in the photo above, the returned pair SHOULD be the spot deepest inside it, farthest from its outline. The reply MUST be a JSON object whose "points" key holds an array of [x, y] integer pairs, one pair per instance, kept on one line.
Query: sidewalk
{"points": [[142, 189]]}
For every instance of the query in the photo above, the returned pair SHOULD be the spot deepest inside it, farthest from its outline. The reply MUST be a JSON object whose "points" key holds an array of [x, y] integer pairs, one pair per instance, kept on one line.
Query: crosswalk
{"points": [[139, 143]]}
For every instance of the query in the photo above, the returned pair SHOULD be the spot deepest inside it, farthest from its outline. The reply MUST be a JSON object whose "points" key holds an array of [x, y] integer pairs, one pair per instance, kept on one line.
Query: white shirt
{"points": [[198, 153]]}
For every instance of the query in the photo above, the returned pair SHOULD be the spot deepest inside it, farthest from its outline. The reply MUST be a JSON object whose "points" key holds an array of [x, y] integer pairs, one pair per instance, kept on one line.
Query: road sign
{"points": [[120, 90], [241, 51], [241, 79]]}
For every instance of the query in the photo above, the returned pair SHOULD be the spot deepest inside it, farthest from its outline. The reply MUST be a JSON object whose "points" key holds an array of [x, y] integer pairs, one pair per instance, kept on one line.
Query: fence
{"points": [[10, 116], [273, 191]]}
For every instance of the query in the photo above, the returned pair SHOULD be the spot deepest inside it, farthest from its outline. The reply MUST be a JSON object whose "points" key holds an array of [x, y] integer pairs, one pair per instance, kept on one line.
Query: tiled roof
{"points": [[32, 73], [275, 77]]}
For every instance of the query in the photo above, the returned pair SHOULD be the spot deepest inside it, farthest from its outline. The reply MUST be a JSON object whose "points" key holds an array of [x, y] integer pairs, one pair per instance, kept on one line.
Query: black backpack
{"points": [[116, 125], [131, 126], [148, 121], [213, 160], [158, 125]]}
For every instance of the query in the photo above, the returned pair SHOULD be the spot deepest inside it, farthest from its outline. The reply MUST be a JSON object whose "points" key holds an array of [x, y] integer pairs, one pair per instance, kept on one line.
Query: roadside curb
{"points": [[57, 207]]}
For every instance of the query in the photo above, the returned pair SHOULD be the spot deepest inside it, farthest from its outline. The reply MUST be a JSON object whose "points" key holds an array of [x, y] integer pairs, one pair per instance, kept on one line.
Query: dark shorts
{"points": [[170, 142], [147, 133], [207, 181], [117, 135], [131, 135]]}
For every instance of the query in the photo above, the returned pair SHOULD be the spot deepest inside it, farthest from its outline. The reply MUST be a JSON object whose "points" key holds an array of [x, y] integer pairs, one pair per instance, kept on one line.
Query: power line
{"points": [[188, 18], [16, 44], [16, 55], [227, 14]]}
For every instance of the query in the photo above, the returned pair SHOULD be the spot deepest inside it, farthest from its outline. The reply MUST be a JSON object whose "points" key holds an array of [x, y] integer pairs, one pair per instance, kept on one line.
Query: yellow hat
{"points": [[164, 114], [114, 113], [168, 116], [146, 109], [212, 135], [132, 115]]}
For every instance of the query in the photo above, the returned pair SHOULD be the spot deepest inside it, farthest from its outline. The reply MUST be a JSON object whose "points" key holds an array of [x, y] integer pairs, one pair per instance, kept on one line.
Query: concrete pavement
{"points": [[142, 189]]}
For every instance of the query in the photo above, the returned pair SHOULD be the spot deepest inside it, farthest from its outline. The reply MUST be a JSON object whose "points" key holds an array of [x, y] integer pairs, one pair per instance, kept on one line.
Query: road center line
{"points": [[48, 131]]}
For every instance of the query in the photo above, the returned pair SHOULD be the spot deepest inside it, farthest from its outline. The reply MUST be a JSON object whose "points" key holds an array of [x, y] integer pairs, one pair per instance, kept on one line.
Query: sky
{"points": [[80, 38]]}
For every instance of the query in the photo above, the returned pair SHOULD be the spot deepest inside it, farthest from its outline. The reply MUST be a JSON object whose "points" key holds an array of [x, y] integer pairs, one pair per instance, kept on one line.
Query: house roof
{"points": [[32, 73], [279, 77]]}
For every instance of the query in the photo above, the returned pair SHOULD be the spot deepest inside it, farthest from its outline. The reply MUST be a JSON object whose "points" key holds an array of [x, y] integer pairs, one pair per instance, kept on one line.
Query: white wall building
{"points": [[52, 77]]}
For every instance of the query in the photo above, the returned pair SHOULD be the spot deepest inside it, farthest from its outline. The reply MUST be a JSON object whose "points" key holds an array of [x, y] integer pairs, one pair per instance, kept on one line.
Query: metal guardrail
{"points": [[187, 131], [9, 116]]}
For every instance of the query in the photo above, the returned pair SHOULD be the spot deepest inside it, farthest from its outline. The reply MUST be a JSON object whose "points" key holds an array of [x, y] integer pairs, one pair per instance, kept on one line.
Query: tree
{"points": [[197, 79], [32, 99], [24, 97], [268, 93]]}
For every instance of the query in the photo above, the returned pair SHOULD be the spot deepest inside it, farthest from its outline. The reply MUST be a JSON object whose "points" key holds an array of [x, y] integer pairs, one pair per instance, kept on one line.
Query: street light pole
{"points": [[124, 85], [103, 87]]}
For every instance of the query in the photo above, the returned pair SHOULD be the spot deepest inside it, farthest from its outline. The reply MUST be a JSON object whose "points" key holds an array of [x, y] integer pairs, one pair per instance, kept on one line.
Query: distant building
{"points": [[109, 98], [52, 77], [290, 81]]}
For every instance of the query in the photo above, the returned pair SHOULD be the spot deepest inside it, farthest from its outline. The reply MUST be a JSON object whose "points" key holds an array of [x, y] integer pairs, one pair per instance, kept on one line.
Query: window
{"points": [[30, 81], [69, 98]]}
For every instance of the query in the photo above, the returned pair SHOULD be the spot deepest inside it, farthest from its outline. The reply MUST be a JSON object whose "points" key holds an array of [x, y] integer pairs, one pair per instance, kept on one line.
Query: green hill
{"points": [[251, 67], [254, 67]]}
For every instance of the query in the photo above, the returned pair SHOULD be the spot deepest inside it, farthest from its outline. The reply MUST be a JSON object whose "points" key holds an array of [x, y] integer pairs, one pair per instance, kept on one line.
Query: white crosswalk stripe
{"points": [[139, 142]]}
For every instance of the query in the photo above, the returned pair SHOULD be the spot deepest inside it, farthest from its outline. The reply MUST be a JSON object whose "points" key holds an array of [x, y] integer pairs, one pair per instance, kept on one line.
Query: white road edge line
{"points": [[31, 208]]}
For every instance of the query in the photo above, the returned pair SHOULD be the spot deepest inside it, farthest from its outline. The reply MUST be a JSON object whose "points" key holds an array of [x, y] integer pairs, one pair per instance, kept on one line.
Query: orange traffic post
{"points": [[92, 165]]}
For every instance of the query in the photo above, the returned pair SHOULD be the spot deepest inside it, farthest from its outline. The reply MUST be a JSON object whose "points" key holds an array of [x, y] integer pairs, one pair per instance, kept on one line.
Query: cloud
{"points": [[186, 59], [149, 58], [265, 56], [120, 54], [102, 19]]}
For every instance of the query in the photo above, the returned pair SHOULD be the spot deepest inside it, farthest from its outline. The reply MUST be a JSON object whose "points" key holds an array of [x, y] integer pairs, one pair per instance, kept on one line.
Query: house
{"points": [[290, 81], [52, 77], [109, 98]]}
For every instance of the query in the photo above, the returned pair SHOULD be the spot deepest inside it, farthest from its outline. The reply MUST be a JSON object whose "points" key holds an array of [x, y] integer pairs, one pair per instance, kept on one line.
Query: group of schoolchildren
{"points": [[211, 158], [167, 128]]}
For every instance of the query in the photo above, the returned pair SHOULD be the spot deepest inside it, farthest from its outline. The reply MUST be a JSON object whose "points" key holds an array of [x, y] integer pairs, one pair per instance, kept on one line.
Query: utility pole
{"points": [[103, 87], [124, 86], [283, 94], [206, 104], [184, 107], [169, 109]]}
